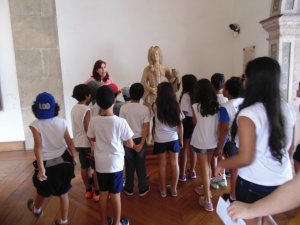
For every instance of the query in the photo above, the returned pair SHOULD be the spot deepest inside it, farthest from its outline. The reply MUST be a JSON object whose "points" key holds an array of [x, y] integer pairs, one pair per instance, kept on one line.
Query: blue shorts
{"points": [[172, 146], [202, 151], [249, 192], [296, 155], [111, 182]]}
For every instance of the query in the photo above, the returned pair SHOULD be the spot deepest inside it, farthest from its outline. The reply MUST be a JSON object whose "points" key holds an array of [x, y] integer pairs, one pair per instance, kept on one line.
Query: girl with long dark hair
{"points": [[185, 101], [263, 162], [204, 139], [168, 134]]}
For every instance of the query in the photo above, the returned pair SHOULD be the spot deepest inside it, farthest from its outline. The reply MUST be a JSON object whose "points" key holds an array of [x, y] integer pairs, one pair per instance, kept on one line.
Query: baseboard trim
{"points": [[12, 146]]}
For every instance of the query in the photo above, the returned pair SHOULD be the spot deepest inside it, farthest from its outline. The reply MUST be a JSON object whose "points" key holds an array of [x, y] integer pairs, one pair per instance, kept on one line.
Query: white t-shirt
{"points": [[205, 132], [186, 105], [136, 115], [290, 120], [265, 169], [94, 109], [164, 133], [222, 99], [78, 113], [232, 107], [110, 132], [52, 132]]}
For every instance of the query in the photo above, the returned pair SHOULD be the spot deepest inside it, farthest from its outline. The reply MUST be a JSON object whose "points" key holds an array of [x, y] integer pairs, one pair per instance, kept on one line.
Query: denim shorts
{"points": [[202, 151], [172, 146], [111, 182], [249, 192], [230, 149]]}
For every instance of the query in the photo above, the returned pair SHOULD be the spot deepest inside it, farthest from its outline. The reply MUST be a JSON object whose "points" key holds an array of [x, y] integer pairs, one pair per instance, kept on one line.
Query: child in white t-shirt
{"points": [[80, 115], [54, 151], [110, 133], [205, 139], [138, 118], [168, 134]]}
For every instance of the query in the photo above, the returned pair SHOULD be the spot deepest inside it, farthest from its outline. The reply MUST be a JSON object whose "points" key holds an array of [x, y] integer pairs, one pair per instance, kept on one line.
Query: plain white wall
{"points": [[193, 35], [11, 125], [248, 14]]}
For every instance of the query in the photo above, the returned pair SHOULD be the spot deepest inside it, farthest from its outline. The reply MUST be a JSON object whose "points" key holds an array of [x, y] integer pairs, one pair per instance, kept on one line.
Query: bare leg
{"points": [[193, 158], [162, 171], [116, 207], [233, 178], [268, 220], [255, 221], [64, 206], [183, 157], [38, 201], [205, 172], [103, 207], [85, 178], [175, 171], [96, 184]]}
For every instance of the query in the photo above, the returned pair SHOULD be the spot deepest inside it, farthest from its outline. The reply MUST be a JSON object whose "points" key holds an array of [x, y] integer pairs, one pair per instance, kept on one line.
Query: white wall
{"points": [[248, 14], [11, 125], [193, 35]]}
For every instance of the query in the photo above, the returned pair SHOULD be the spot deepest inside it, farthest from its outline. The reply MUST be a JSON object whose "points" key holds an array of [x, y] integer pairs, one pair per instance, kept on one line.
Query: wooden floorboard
{"points": [[16, 187]]}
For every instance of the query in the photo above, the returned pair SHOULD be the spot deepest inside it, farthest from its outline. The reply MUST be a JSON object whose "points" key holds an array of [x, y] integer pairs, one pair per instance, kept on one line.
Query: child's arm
{"points": [[145, 132], [194, 117], [128, 143], [223, 130], [38, 154], [70, 144], [180, 133], [285, 198]]}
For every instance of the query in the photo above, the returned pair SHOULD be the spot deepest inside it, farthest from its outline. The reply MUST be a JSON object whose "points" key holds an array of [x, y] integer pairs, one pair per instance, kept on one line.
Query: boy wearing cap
{"points": [[54, 152], [80, 115], [138, 118], [110, 133]]}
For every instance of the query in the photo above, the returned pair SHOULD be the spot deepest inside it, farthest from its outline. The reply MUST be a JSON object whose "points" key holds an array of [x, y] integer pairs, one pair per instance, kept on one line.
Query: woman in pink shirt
{"points": [[100, 74]]}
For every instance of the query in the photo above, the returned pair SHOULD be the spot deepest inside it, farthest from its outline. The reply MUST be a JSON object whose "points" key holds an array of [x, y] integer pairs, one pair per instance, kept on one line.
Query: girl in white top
{"points": [[168, 134], [185, 102], [263, 162], [204, 138]]}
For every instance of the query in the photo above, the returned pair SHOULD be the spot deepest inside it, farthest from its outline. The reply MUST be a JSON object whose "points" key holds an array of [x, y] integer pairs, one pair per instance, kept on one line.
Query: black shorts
{"points": [[172, 146], [188, 127], [58, 177], [249, 192], [296, 155], [111, 182], [85, 158]]}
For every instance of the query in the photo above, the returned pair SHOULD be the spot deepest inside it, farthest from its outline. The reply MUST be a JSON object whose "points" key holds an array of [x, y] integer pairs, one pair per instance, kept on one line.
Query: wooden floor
{"points": [[16, 187]]}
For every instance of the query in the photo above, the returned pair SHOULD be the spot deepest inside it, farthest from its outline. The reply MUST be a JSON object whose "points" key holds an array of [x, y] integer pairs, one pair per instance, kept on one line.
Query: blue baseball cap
{"points": [[44, 106]]}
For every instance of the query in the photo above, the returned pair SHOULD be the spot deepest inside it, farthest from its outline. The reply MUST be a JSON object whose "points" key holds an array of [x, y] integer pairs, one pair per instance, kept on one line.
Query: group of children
{"points": [[199, 124]]}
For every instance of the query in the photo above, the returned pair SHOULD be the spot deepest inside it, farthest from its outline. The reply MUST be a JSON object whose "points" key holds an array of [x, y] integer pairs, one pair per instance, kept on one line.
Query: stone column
{"points": [[35, 37], [283, 27]]}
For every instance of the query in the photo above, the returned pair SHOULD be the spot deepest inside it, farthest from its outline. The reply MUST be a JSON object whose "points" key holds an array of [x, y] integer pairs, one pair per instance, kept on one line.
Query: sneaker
{"points": [[192, 175], [57, 222], [226, 196], [128, 192], [214, 183], [200, 191], [96, 197], [163, 194], [223, 182], [143, 193], [208, 206], [88, 194], [182, 178], [124, 221], [30, 206]]}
